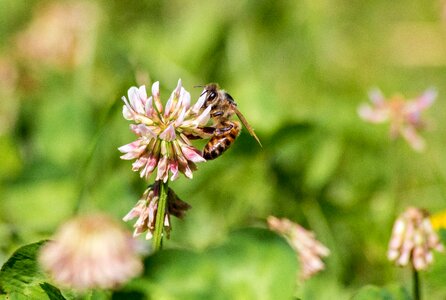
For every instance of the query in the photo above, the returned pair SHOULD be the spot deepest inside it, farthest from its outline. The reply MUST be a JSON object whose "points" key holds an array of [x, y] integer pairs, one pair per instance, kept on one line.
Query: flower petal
{"points": [[192, 153], [156, 96], [135, 211], [173, 101], [173, 167], [421, 103], [177, 90], [162, 173], [204, 117], [372, 115], [127, 111], [130, 147], [180, 118], [168, 106], [149, 107], [377, 97], [427, 99], [143, 131], [149, 167], [168, 134], [135, 100], [197, 107], [413, 138], [142, 93], [185, 99]]}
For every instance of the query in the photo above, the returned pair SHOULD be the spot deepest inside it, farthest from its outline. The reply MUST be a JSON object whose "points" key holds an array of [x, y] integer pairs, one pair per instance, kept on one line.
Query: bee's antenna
{"points": [[201, 86]]}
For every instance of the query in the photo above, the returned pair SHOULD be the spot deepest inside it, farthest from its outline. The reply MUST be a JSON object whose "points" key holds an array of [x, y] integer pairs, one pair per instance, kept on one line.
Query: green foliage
{"points": [[371, 292], [21, 277], [442, 234], [251, 264]]}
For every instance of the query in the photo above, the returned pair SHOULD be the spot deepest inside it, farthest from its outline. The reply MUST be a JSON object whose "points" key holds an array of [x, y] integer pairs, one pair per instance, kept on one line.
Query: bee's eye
{"points": [[212, 95]]}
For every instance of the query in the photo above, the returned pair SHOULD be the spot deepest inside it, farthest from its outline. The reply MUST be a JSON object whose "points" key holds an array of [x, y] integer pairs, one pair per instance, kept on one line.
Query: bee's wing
{"points": [[246, 124]]}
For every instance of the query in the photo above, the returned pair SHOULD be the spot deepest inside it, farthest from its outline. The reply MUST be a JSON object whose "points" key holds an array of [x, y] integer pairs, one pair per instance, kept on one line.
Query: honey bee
{"points": [[226, 130]]}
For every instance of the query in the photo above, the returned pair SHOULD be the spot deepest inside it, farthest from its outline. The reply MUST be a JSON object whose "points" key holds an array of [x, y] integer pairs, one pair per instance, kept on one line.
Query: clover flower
{"points": [[309, 250], [146, 209], [413, 240], [60, 34], [404, 116], [164, 133], [91, 252]]}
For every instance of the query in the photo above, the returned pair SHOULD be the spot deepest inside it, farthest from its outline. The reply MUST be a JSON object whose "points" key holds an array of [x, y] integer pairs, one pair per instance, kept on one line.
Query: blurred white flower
{"points": [[163, 133], [404, 116], [309, 250], [413, 240], [91, 252]]}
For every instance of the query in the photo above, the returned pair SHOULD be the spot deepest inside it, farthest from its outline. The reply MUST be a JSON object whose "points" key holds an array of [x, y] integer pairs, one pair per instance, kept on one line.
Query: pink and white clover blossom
{"points": [[404, 116], [163, 132], [91, 251], [309, 250], [413, 240]]}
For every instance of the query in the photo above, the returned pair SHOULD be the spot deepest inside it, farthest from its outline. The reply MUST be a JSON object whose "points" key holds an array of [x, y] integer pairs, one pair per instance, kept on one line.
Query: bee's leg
{"points": [[208, 129], [217, 114], [223, 130], [205, 130]]}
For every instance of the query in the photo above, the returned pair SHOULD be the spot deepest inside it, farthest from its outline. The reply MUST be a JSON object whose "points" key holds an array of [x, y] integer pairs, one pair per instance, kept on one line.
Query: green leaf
{"points": [[324, 162], [251, 264], [11, 163], [52, 292], [21, 270], [256, 264], [16, 296], [442, 234], [371, 292], [21, 277]]}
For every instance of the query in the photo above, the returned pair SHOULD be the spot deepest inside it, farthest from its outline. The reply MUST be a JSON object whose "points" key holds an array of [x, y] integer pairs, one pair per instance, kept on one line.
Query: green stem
{"points": [[416, 284], [159, 223], [82, 175], [398, 178], [84, 179], [82, 84]]}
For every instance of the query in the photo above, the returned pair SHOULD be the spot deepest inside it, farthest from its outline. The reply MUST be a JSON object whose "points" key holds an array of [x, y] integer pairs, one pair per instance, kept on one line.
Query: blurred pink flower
{"points": [[91, 252], [163, 133], [146, 208], [413, 240], [309, 250], [60, 34], [404, 116], [9, 77]]}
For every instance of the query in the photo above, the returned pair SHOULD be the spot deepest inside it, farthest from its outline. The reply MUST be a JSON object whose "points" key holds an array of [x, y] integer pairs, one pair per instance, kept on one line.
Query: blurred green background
{"points": [[298, 71]]}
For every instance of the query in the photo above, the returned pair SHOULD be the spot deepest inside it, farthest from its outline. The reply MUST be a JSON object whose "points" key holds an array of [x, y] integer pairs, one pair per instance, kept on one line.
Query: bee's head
{"points": [[212, 94]]}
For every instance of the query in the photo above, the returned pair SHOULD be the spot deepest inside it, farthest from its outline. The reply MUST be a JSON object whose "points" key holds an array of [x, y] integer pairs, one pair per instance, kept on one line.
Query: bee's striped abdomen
{"points": [[220, 143]]}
